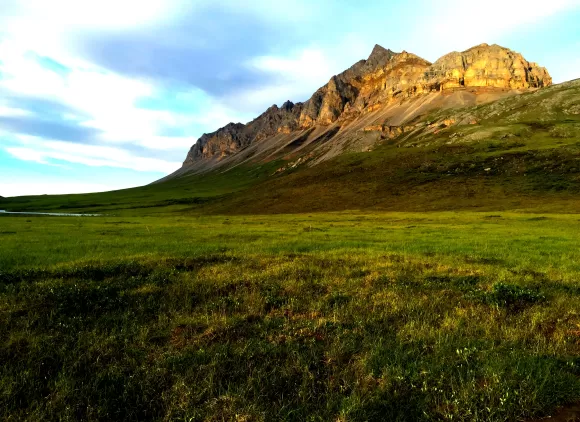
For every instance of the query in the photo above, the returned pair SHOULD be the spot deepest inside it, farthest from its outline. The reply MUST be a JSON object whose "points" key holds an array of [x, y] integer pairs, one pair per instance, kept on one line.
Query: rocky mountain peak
{"points": [[375, 83], [379, 54], [486, 65], [288, 105]]}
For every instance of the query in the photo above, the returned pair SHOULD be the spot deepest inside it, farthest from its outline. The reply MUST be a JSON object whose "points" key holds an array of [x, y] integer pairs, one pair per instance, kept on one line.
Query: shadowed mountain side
{"points": [[347, 135]]}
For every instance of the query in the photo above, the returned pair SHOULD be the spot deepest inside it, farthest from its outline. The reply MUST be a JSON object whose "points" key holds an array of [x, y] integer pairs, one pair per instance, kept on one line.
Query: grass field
{"points": [[325, 316], [154, 199], [252, 295]]}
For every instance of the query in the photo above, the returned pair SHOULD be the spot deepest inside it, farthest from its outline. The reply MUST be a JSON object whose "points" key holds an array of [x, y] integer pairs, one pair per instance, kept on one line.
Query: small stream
{"points": [[53, 214]]}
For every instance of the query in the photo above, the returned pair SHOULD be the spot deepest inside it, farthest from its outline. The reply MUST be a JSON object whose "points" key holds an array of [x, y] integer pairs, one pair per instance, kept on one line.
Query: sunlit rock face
{"points": [[374, 83], [486, 66]]}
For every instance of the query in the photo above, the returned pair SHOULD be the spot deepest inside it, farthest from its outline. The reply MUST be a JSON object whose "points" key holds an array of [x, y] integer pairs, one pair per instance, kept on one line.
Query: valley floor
{"points": [[325, 316]]}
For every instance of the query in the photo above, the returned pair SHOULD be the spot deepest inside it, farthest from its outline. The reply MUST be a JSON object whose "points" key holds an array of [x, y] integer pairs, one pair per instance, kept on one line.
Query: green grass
{"points": [[154, 199], [451, 292], [324, 316]]}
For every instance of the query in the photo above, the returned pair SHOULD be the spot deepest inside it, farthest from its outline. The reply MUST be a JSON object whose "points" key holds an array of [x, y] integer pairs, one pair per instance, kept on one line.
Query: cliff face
{"points": [[486, 66], [236, 136], [372, 84]]}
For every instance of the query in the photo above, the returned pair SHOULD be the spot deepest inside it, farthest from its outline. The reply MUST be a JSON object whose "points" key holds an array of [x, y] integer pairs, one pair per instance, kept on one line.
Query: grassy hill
{"points": [[177, 194], [523, 153]]}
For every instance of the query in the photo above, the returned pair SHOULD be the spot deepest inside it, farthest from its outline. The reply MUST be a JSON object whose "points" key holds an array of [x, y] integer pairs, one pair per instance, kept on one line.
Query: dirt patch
{"points": [[566, 414]]}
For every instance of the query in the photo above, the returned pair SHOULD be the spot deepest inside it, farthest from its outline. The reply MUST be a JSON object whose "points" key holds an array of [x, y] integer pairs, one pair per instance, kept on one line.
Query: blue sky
{"points": [[107, 94]]}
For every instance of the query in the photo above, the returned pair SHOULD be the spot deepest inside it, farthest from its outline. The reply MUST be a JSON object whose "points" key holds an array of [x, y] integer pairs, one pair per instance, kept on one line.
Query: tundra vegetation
{"points": [[325, 316], [436, 277]]}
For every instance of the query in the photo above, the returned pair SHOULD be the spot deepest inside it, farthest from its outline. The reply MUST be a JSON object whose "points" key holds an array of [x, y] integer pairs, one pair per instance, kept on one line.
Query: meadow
{"points": [[358, 316]]}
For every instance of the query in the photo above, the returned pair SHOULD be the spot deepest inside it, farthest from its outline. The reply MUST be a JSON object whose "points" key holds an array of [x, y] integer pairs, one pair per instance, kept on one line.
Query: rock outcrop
{"points": [[372, 84], [236, 136], [486, 66]]}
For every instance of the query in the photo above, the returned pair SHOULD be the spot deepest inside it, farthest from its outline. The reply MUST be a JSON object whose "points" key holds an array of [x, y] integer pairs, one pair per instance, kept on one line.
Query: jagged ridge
{"points": [[370, 84]]}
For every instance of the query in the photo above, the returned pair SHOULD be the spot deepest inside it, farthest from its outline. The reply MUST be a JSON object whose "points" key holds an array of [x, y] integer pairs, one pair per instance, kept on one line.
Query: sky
{"points": [[99, 95]]}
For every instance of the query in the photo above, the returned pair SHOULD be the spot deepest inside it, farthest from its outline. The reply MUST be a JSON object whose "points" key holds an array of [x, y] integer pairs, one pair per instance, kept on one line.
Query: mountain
{"points": [[521, 152], [479, 130], [378, 98]]}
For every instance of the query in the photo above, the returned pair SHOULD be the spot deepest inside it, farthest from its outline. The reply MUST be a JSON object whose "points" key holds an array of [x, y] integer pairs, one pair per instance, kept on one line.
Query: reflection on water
{"points": [[54, 214]]}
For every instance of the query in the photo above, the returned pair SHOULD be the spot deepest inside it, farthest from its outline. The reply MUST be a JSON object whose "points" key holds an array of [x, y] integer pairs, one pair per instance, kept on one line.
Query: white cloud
{"points": [[22, 74], [27, 154], [217, 115], [90, 14], [166, 143], [442, 26], [109, 102], [107, 97], [46, 152], [105, 101], [51, 28], [294, 78], [7, 111], [59, 187], [564, 68], [308, 64]]}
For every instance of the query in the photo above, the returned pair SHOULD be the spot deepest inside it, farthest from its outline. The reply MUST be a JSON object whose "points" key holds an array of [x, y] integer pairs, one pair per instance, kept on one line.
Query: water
{"points": [[54, 214]]}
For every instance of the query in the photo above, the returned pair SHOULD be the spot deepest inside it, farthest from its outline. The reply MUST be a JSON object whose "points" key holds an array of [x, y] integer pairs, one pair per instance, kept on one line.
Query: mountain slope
{"points": [[456, 149], [518, 153], [523, 153], [386, 90]]}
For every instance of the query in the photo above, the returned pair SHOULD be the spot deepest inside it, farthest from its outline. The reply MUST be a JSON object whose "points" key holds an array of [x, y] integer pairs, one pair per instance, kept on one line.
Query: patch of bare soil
{"points": [[566, 414]]}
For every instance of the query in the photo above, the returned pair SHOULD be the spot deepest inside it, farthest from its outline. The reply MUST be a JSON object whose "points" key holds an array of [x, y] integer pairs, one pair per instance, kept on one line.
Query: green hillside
{"points": [[177, 194], [522, 154]]}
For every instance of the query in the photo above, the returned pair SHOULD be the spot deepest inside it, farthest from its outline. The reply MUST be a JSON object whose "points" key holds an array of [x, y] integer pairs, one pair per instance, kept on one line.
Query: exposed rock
{"points": [[397, 79], [389, 132], [236, 136], [374, 83], [343, 90], [485, 66]]}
